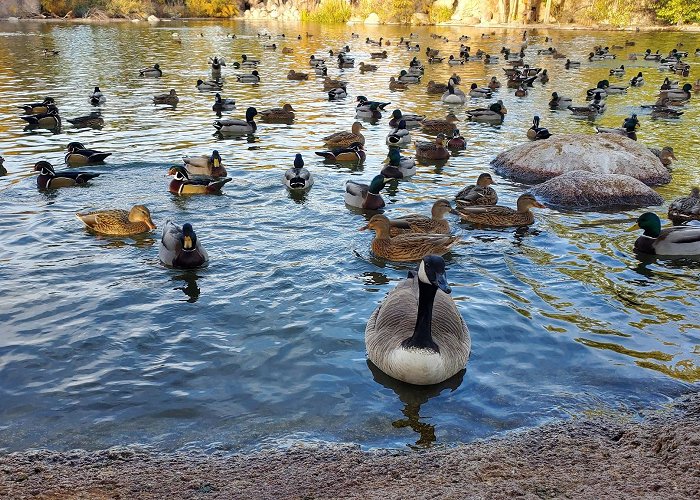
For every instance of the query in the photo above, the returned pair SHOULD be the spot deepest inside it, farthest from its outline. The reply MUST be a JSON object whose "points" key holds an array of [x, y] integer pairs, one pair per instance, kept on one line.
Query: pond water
{"points": [[102, 345]]}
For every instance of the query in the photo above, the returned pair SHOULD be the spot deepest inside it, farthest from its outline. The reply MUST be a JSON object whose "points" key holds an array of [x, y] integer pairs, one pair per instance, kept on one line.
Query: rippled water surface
{"points": [[102, 345]]}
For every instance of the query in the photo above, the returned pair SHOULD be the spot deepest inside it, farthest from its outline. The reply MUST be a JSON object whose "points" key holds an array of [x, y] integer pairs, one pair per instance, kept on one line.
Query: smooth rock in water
{"points": [[538, 161], [587, 190], [153, 19], [373, 18]]}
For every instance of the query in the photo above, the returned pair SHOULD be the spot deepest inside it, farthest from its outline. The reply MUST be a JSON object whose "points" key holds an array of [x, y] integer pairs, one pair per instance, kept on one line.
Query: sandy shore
{"points": [[657, 457]]}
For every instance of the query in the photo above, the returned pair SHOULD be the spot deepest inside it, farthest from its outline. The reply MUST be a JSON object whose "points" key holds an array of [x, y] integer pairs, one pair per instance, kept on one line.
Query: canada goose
{"points": [[417, 334]]}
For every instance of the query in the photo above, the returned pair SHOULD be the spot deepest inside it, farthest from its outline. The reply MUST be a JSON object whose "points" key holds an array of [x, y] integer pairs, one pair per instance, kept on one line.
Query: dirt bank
{"points": [[656, 457]]}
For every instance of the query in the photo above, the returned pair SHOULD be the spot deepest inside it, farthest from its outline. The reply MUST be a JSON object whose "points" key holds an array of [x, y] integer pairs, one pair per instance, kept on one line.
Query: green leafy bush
{"points": [[329, 11], [678, 11]]}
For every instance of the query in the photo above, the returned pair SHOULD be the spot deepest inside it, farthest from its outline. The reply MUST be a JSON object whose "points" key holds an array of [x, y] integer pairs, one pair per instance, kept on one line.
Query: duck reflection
{"points": [[190, 288], [413, 396], [373, 278]]}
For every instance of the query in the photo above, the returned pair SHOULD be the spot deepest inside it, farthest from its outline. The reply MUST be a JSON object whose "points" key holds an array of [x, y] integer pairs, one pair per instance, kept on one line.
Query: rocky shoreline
{"points": [[657, 456]]}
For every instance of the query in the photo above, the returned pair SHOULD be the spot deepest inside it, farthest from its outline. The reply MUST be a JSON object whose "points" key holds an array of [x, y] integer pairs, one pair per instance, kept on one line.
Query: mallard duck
{"points": [[248, 62], [216, 64], [682, 94], [475, 91], [480, 193], [665, 112], [406, 247], [648, 56], [367, 67], [321, 70], [270, 46], [345, 139], [396, 85], [521, 91], [685, 208], [404, 77], [93, 120], [230, 126], [493, 114], [500, 216], [210, 85], [294, 75], [253, 77], [221, 104], [345, 61], [51, 53], [378, 55], [447, 125], [618, 71], [38, 107], [337, 94], [457, 142], [353, 153], [399, 167], [364, 104], [316, 61], [543, 77], [434, 150], [170, 99], [494, 83], [154, 72], [365, 196], [330, 84], [180, 247], [208, 165], [182, 184], [559, 102], [637, 81], [436, 88], [594, 109], [399, 136], [677, 240], [536, 133], [696, 86], [48, 178], [572, 64], [615, 89], [287, 50], [118, 222], [284, 114], [79, 155], [298, 178], [415, 223], [97, 97], [49, 120], [665, 154], [628, 129], [411, 120]]}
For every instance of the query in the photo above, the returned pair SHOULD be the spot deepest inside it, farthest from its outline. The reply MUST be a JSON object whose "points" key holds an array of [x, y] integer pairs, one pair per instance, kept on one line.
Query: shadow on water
{"points": [[413, 397]]}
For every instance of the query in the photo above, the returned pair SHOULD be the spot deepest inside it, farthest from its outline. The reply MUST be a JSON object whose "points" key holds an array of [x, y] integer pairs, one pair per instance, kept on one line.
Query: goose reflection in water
{"points": [[190, 288], [413, 396]]}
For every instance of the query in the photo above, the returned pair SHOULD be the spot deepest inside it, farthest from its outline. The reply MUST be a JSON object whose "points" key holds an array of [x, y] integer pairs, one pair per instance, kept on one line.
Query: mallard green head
{"points": [[396, 114], [377, 184], [394, 157], [651, 224], [298, 161], [250, 114], [687, 87], [189, 238], [215, 158]]}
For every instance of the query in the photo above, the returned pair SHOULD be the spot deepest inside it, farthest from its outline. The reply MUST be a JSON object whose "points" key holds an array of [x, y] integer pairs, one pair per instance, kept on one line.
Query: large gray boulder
{"points": [[588, 190], [539, 161], [19, 7]]}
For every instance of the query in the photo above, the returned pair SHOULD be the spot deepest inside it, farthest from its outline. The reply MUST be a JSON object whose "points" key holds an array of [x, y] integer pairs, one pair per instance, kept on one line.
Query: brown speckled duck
{"points": [[480, 193], [500, 216], [435, 150], [434, 126], [345, 139], [119, 222], [416, 223], [283, 114], [294, 75], [685, 208]]}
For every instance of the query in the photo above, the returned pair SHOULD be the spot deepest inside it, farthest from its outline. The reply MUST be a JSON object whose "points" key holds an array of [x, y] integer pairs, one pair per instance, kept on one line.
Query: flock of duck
{"points": [[416, 334]]}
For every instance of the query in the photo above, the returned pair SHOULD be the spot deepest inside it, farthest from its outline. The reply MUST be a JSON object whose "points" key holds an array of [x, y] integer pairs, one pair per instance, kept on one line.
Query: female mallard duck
{"points": [[480, 193], [330, 84], [457, 142], [436, 88], [170, 99], [404, 77], [154, 72], [415, 223], [406, 247], [221, 104], [677, 240], [48, 178], [416, 334], [209, 165], [521, 91], [210, 85], [298, 178], [93, 120], [365, 196], [253, 77], [399, 136], [119, 222], [396, 85], [536, 133], [353, 153], [367, 67], [479, 92], [378, 55], [410, 119], [38, 108], [665, 154], [182, 184], [229, 126], [399, 167], [180, 247], [559, 102], [637, 81], [435, 150], [494, 83], [345, 139], [295, 75], [664, 112], [97, 97], [447, 125], [284, 114], [685, 208], [79, 155], [500, 216], [49, 120], [493, 114], [453, 96], [287, 50]]}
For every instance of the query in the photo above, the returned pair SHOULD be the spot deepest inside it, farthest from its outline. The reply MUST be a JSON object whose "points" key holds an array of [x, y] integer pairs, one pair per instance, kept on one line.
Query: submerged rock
{"points": [[588, 190], [539, 161]]}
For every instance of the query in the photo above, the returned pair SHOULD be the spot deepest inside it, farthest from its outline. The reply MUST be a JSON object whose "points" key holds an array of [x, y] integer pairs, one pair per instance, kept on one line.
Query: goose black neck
{"points": [[422, 334]]}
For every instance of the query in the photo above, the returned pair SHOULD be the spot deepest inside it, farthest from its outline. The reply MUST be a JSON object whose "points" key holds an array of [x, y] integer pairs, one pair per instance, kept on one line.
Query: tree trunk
{"points": [[547, 8], [514, 10], [502, 14]]}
